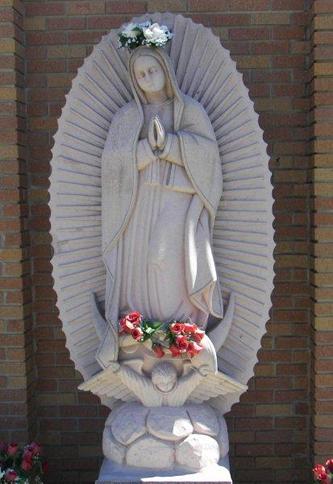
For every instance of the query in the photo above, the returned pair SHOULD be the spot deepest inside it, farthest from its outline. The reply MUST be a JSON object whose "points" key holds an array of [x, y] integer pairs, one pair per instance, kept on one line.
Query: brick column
{"points": [[16, 369], [322, 221]]}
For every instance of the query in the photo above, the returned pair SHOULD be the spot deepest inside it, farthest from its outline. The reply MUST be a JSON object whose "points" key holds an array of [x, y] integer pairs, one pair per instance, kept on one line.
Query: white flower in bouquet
{"points": [[131, 31], [157, 34]]}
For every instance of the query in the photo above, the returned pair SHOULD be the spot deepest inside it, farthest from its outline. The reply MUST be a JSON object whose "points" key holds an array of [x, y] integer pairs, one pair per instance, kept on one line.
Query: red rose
{"points": [[198, 335], [12, 448], [26, 465], [126, 326], [319, 472], [135, 318], [137, 333], [329, 465], [129, 322], [174, 351], [10, 475], [182, 342], [36, 448], [189, 328], [176, 328], [158, 350], [28, 454], [193, 348]]}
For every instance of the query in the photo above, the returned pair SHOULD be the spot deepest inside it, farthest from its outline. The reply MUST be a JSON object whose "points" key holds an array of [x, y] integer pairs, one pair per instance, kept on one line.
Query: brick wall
{"points": [[273, 427], [16, 351], [322, 224]]}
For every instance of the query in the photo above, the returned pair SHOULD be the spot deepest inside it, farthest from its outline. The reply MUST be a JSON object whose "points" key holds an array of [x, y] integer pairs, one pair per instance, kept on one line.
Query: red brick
{"points": [[40, 9]]}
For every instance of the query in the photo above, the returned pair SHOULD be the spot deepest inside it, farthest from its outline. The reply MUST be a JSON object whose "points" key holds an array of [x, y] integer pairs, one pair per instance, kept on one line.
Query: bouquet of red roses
{"points": [[25, 466], [323, 474], [175, 337]]}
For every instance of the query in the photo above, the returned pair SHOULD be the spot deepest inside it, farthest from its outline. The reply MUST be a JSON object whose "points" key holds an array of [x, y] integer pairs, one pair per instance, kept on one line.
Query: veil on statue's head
{"points": [[171, 85]]}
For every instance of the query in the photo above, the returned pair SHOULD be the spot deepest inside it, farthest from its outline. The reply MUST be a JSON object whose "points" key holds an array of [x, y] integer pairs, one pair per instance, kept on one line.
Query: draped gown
{"points": [[151, 267]]}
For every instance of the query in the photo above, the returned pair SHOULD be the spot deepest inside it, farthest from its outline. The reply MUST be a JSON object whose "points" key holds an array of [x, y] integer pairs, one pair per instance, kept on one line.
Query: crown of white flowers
{"points": [[147, 33]]}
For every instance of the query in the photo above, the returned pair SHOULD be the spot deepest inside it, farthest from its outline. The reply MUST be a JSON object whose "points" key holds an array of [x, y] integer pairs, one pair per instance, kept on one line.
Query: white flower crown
{"points": [[146, 33]]}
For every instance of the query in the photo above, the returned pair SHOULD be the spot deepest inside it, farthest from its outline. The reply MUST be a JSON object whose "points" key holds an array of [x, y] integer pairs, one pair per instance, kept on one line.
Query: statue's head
{"points": [[164, 377], [151, 71], [149, 74]]}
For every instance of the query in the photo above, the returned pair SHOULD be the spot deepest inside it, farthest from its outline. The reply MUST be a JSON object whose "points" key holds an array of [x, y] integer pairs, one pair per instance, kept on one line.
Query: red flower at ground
{"points": [[35, 448], [319, 472], [10, 475], [28, 454], [137, 333], [26, 465], [329, 465], [12, 448], [158, 350]]}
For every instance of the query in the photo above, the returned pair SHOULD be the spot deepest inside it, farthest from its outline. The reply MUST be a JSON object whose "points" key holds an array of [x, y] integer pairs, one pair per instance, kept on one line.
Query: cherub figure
{"points": [[164, 387]]}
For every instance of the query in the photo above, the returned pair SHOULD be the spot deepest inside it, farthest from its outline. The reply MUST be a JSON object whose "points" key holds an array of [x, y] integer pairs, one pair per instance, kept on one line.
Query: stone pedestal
{"points": [[112, 473]]}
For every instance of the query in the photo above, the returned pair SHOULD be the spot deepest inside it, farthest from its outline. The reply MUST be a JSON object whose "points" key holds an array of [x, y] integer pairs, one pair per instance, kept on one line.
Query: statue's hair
{"points": [[164, 371]]}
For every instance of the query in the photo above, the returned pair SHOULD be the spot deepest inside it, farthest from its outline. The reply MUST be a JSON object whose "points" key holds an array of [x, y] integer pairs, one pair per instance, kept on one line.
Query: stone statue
{"points": [[141, 222], [161, 185]]}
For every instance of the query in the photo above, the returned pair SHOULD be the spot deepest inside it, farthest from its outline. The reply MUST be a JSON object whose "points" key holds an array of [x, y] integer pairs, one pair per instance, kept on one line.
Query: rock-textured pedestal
{"points": [[188, 438]]}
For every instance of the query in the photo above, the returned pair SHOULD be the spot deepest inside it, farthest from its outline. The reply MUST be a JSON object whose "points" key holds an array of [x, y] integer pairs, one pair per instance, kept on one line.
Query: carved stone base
{"points": [[112, 473], [191, 437]]}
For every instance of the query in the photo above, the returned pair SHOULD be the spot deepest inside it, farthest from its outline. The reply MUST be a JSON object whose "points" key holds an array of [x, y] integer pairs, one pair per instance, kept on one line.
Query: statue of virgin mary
{"points": [[161, 186]]}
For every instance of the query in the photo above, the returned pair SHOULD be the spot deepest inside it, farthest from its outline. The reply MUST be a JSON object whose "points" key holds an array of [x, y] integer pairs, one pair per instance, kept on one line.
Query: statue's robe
{"points": [[157, 249]]}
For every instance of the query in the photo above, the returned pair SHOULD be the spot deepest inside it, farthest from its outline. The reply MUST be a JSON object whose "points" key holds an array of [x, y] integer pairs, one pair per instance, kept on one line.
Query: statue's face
{"points": [[149, 74]]}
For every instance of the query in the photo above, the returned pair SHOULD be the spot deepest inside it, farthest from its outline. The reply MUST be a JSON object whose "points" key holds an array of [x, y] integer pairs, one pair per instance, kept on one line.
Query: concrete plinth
{"points": [[112, 473]]}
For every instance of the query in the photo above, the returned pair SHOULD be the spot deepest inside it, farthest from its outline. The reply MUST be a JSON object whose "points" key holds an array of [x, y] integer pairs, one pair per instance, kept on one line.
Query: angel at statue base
{"points": [[161, 416]]}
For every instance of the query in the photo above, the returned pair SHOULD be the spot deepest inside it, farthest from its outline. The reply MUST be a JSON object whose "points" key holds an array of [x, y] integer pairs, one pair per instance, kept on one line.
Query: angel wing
{"points": [[243, 233], [217, 385], [108, 385]]}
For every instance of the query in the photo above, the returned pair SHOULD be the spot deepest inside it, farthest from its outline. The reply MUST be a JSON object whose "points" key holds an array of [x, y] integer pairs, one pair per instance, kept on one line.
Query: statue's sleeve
{"points": [[144, 154], [200, 154]]}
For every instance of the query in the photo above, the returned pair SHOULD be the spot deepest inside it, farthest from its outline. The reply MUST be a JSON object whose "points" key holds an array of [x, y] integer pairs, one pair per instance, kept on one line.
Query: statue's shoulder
{"points": [[192, 107], [127, 110]]}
